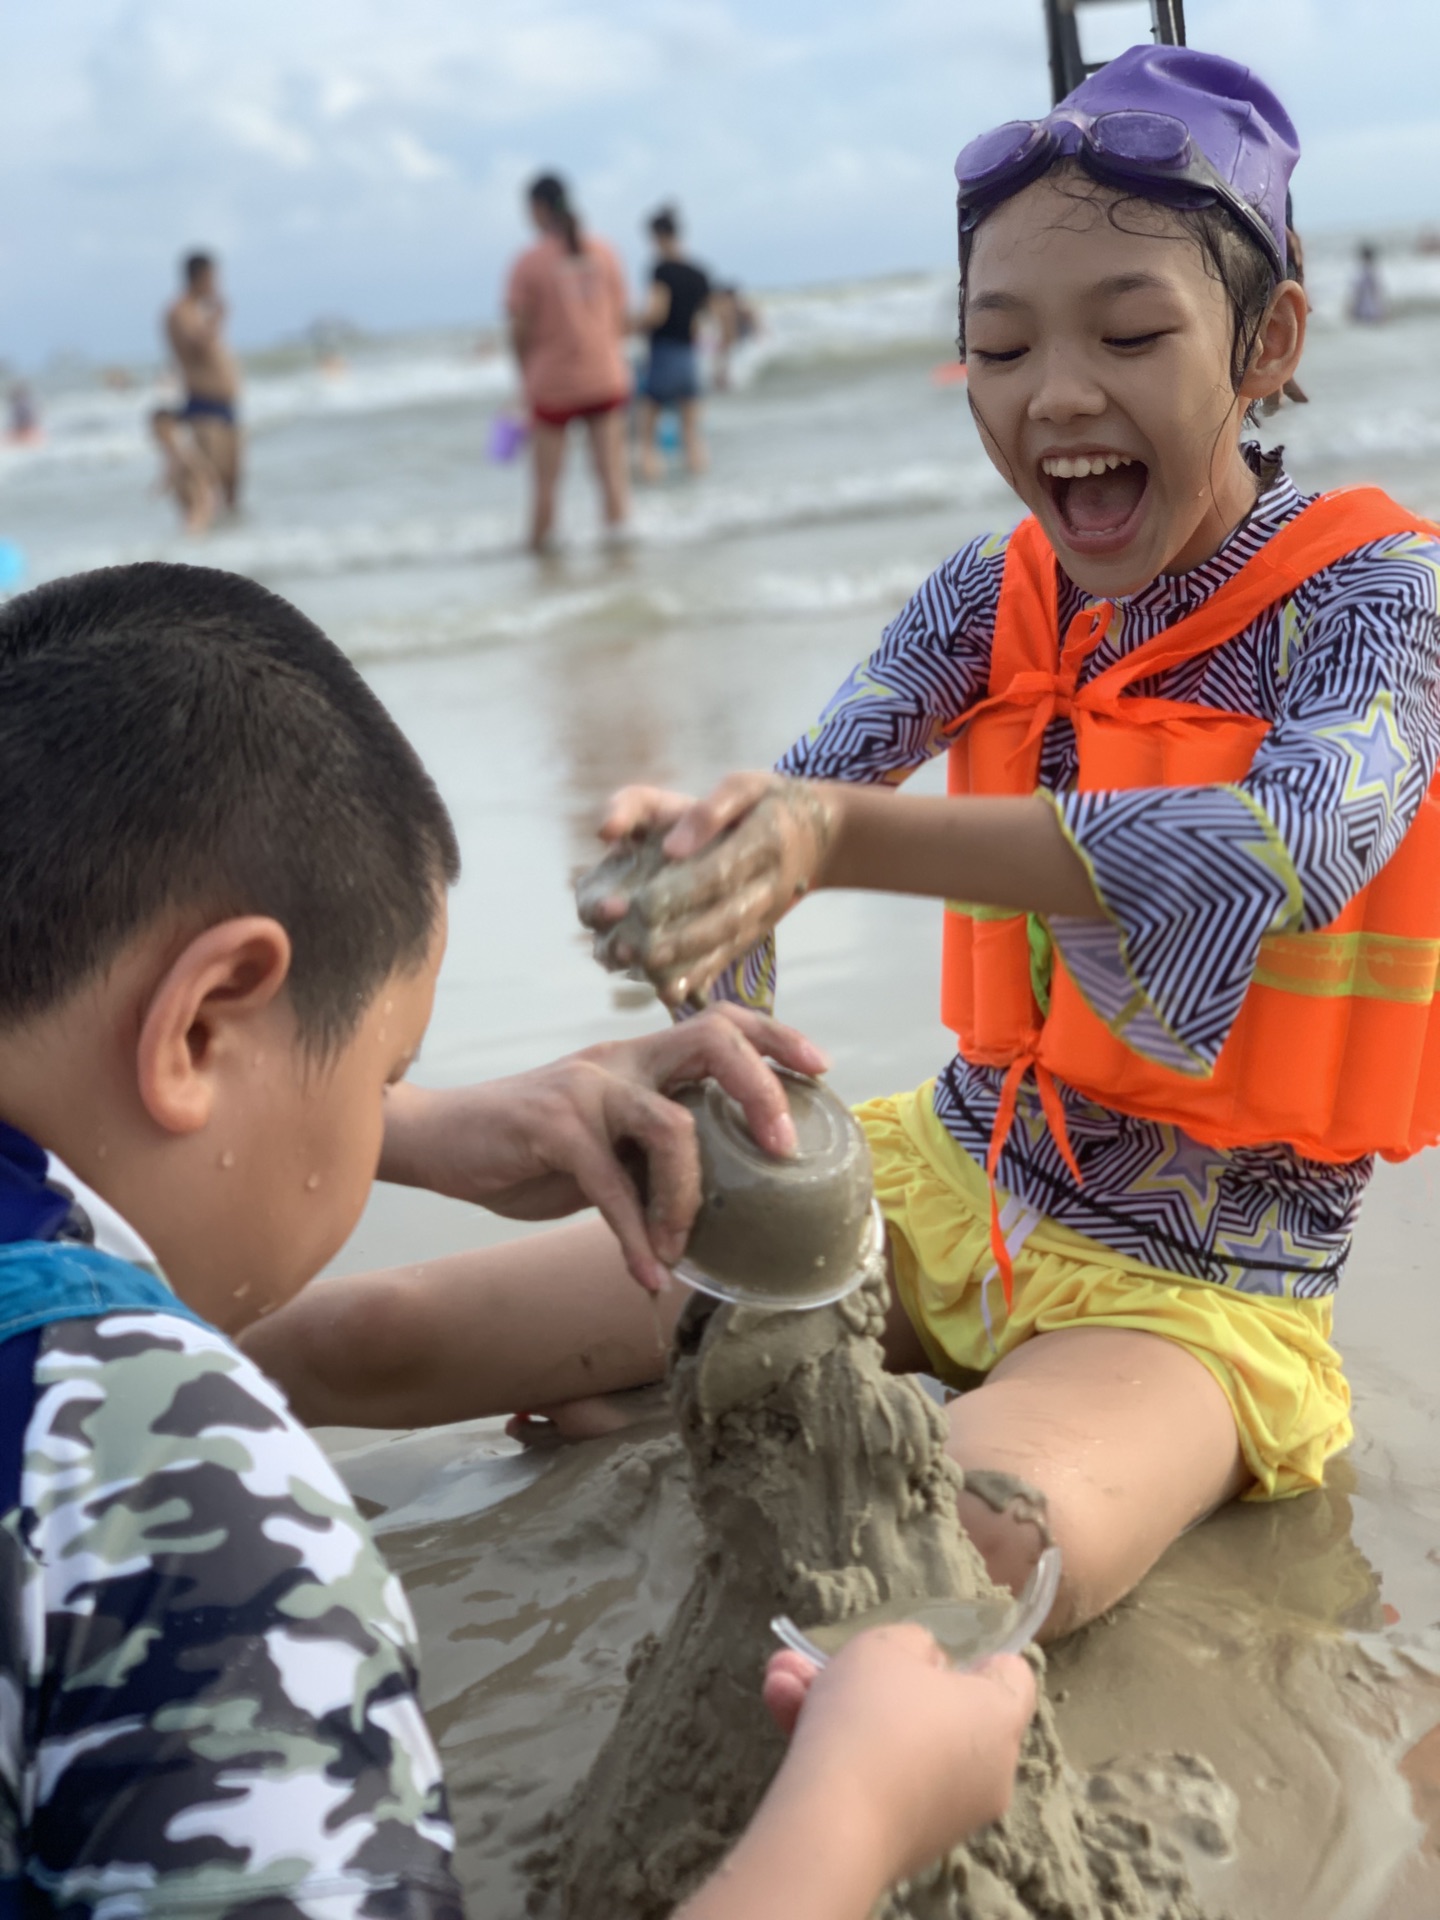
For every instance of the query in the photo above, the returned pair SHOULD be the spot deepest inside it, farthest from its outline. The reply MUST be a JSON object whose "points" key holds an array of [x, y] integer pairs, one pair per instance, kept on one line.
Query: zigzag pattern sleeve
{"points": [[891, 714], [1194, 878]]}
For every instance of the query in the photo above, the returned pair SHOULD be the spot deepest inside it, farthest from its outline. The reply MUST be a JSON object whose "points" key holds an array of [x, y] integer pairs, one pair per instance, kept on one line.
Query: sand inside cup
{"points": [[787, 1232], [966, 1629]]}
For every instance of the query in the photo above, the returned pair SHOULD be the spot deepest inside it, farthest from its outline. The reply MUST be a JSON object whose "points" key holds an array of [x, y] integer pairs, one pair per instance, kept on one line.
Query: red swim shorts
{"points": [[592, 410]]}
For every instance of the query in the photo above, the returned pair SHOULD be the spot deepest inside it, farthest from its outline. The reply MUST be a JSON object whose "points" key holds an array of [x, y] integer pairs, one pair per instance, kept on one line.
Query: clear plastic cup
{"points": [[969, 1632]]}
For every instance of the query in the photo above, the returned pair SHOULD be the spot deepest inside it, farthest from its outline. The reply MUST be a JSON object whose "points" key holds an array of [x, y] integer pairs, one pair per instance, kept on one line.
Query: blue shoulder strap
{"points": [[42, 1281], [17, 1402]]}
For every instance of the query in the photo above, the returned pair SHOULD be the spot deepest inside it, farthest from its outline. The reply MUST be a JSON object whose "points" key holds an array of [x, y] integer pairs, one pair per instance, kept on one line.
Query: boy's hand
{"points": [[894, 1759], [576, 1133], [927, 1753], [751, 849]]}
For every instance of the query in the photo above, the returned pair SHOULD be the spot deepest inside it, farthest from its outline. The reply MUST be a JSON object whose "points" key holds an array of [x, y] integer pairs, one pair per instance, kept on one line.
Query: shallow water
{"points": [[1299, 1646]]}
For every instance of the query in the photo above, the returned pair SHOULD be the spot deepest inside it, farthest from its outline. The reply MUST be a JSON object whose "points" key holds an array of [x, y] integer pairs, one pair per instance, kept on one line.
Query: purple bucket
{"points": [[507, 436]]}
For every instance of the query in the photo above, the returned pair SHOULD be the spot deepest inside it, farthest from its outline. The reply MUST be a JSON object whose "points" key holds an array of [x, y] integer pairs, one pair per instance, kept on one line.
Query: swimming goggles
{"points": [[1151, 153]]}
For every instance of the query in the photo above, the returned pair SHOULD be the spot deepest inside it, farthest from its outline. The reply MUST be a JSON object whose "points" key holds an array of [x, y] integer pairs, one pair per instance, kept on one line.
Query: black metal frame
{"points": [[1067, 65]]}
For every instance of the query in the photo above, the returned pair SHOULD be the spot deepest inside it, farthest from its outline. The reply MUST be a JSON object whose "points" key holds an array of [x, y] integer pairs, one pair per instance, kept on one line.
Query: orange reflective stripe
{"points": [[1369, 966]]}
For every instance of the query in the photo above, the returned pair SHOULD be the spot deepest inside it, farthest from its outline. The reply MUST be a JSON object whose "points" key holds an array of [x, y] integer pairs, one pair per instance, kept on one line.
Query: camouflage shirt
{"points": [[207, 1675]]}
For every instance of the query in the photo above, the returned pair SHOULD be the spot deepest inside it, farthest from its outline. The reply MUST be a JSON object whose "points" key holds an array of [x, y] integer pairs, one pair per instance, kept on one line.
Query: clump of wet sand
{"points": [[823, 1489]]}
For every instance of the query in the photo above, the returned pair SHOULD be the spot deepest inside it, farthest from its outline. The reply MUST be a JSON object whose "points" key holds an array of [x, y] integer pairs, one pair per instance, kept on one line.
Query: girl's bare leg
{"points": [[552, 1318], [548, 457], [1127, 1435], [607, 450]]}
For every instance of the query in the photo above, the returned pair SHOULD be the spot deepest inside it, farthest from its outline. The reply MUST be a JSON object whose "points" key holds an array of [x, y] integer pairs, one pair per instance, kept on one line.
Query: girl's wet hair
{"points": [[1231, 255], [548, 190]]}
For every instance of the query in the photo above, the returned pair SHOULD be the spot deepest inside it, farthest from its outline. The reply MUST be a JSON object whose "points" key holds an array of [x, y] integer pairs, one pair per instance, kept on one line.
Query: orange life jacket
{"points": [[1336, 1049]]}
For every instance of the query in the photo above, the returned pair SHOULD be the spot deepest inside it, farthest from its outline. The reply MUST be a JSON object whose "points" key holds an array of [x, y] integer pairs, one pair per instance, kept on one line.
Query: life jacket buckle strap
{"points": [[1027, 1061]]}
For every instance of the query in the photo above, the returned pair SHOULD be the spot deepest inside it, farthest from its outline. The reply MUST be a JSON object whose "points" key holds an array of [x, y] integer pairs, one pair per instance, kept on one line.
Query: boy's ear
{"points": [[200, 1013], [1282, 340]]}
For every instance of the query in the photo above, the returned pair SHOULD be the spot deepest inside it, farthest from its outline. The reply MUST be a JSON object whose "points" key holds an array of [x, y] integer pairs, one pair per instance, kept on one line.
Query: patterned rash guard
{"points": [[207, 1674], [1348, 674]]}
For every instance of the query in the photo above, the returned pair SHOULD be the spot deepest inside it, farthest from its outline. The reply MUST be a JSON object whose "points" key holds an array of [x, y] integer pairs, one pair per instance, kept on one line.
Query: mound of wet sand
{"points": [[822, 1489]]}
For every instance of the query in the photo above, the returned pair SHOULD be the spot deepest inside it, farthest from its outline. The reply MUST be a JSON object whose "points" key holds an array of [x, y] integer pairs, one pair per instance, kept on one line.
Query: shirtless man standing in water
{"points": [[200, 439]]}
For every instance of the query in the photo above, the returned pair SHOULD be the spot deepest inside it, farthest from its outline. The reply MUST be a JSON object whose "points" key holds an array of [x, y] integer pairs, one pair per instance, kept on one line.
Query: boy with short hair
{"points": [[223, 875], [222, 913]]}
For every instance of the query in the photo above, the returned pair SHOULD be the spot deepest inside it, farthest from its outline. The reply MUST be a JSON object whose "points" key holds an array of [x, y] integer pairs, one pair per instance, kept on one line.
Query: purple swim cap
{"points": [[1233, 117], [1241, 138]]}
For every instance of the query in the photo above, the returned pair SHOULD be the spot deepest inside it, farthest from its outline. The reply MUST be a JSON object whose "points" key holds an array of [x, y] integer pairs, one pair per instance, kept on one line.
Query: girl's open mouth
{"points": [[1098, 498]]}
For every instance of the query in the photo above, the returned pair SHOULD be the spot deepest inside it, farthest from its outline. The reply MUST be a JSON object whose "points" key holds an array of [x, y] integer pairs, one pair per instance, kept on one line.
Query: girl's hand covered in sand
{"points": [[894, 1759], [751, 849], [547, 1143]]}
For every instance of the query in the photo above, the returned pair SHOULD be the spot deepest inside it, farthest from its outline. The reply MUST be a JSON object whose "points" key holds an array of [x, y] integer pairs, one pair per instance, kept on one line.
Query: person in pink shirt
{"points": [[567, 307]]}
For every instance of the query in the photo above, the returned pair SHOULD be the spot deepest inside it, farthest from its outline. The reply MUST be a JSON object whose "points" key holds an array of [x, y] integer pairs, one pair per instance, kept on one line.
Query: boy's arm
{"points": [[544, 1144], [895, 1758], [222, 1711], [809, 1854]]}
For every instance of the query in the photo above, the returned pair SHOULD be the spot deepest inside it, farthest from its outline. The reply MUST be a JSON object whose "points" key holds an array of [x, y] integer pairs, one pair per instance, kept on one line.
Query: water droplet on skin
{"points": [[227, 1159], [312, 1183], [240, 1292]]}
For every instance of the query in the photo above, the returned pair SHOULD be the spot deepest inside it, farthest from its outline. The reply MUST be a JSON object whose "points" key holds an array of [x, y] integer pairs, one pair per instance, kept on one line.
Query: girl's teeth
{"points": [[1080, 468]]}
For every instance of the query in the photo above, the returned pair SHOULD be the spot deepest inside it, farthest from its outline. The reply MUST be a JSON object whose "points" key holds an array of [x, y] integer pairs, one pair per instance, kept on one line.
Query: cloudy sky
{"points": [[363, 158]]}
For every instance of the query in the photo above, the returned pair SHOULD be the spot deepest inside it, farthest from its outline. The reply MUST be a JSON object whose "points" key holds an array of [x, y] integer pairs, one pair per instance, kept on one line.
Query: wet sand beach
{"points": [[1297, 1646]]}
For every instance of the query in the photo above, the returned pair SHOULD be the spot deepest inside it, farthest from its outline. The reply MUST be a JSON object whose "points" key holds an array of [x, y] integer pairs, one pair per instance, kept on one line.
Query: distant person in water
{"points": [[567, 305], [736, 321], [185, 473], [679, 294], [24, 424], [206, 418], [1367, 293]]}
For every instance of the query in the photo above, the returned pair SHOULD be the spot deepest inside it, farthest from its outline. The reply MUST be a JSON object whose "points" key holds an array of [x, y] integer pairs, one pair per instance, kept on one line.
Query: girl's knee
{"points": [[1011, 1524]]}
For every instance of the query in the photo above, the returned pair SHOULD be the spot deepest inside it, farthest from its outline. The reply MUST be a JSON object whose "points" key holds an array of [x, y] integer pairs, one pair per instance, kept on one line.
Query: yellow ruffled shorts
{"points": [[1272, 1357]]}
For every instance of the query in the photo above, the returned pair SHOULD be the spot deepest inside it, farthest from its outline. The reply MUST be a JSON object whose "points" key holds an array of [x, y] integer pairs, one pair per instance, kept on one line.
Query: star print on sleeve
{"points": [[1376, 756]]}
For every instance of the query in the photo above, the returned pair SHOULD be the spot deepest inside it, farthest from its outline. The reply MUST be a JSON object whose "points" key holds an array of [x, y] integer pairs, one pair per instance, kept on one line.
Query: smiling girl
{"points": [[1190, 857], [1190, 862]]}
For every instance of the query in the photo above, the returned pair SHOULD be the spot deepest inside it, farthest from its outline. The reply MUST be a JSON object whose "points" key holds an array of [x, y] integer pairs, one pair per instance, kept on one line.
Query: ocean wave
{"points": [[103, 426], [89, 422], [301, 553], [99, 424], [720, 512], [862, 321]]}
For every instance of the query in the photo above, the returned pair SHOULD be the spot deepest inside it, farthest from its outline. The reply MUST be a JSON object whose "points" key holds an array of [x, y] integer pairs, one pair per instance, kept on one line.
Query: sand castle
{"points": [[823, 1489]]}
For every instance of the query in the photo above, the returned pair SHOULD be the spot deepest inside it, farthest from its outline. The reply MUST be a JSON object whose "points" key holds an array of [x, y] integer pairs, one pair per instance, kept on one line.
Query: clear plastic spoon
{"points": [[1031, 1611]]}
